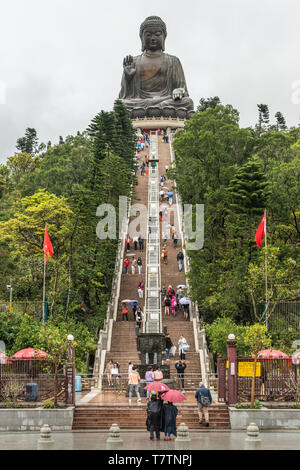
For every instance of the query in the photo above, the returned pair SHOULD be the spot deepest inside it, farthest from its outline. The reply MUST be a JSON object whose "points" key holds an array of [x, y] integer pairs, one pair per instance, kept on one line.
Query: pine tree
{"points": [[280, 122], [248, 189], [126, 137], [263, 118], [206, 103], [28, 143]]}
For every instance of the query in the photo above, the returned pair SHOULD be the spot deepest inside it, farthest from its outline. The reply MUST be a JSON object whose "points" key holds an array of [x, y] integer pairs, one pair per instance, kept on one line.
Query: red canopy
{"points": [[272, 354], [157, 387], [173, 395], [30, 353]]}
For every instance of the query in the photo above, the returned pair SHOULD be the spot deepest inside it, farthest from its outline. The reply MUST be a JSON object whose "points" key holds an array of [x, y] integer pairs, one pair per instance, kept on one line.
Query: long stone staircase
{"points": [[96, 415]]}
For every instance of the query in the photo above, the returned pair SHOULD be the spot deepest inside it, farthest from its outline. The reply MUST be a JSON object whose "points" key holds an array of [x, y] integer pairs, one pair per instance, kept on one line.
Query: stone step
{"points": [[103, 417]]}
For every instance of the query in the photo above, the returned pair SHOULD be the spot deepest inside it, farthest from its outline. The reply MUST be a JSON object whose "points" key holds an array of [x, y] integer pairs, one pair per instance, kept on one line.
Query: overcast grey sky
{"points": [[61, 60]]}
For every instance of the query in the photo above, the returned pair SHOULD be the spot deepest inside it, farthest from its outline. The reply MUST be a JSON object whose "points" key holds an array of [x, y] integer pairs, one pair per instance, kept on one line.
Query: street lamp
{"points": [[231, 337], [70, 338], [9, 287]]}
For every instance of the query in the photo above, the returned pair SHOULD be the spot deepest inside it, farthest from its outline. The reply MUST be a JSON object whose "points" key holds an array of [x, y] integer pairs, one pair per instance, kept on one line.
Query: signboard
{"points": [[245, 369]]}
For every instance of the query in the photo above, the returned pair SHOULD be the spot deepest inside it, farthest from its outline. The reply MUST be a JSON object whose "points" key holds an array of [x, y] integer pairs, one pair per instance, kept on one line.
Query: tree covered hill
{"points": [[237, 173]]}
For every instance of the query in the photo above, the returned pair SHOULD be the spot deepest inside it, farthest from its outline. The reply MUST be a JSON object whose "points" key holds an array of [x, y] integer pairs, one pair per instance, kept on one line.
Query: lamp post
{"points": [[232, 369], [70, 372], [9, 287]]}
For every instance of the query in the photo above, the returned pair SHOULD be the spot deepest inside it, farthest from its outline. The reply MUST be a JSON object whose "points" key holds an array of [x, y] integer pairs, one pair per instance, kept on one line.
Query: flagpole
{"points": [[44, 286], [266, 266]]}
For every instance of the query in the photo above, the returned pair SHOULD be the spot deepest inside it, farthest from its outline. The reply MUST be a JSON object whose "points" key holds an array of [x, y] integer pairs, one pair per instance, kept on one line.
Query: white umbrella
{"points": [[181, 286], [185, 301]]}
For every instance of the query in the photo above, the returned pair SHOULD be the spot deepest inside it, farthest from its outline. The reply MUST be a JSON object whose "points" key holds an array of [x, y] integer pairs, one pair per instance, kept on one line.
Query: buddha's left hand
{"points": [[178, 94]]}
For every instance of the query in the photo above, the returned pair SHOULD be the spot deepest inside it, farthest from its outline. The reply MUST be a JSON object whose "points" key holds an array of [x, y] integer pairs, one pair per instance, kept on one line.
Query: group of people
{"points": [[136, 312], [136, 242], [135, 264], [171, 299], [113, 374], [161, 417]]}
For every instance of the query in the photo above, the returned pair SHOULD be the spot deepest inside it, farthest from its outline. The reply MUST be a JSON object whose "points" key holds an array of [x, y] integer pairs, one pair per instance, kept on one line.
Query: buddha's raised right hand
{"points": [[129, 68]]}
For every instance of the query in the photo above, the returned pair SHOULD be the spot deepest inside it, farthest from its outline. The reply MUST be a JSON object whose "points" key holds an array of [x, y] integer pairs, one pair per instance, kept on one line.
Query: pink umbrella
{"points": [[157, 387], [173, 395], [30, 353], [272, 354]]}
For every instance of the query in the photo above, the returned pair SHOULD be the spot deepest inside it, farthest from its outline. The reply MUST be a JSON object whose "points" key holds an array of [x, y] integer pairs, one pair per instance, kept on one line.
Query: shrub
{"points": [[48, 404]]}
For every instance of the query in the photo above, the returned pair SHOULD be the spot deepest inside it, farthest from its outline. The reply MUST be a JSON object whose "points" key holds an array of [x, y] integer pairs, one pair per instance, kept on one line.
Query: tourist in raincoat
{"points": [[154, 421], [169, 420]]}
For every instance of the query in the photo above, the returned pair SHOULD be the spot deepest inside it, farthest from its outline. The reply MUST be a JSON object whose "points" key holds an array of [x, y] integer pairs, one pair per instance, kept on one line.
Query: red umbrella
{"points": [[173, 395], [272, 354], [30, 353], [157, 387]]}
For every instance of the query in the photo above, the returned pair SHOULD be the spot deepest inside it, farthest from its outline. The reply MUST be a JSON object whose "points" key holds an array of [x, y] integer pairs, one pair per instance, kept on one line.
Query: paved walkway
{"points": [[134, 440]]}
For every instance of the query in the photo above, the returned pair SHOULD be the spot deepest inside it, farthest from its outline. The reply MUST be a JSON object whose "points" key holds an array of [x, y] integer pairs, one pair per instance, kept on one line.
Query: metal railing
{"points": [[152, 287], [18, 377]]}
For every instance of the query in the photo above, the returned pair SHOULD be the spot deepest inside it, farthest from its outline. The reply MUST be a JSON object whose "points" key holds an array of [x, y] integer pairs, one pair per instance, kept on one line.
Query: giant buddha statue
{"points": [[153, 83]]}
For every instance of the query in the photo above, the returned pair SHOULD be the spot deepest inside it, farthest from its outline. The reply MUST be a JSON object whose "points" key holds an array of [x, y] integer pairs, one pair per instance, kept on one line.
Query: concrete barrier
{"points": [[265, 418], [34, 418]]}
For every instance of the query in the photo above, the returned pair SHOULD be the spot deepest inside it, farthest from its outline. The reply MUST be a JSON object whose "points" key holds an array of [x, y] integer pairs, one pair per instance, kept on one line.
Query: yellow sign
{"points": [[245, 369]]}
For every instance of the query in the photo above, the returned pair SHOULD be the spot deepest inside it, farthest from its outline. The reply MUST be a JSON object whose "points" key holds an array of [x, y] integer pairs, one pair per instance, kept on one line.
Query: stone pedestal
{"points": [[158, 123], [151, 347], [183, 439], [45, 441]]}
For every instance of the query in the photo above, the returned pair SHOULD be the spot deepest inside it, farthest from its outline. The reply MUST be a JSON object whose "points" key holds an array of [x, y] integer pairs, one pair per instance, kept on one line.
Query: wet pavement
{"points": [[139, 440]]}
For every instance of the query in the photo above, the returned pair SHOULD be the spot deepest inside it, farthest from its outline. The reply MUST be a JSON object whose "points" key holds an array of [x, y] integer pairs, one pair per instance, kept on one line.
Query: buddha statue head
{"points": [[153, 33]]}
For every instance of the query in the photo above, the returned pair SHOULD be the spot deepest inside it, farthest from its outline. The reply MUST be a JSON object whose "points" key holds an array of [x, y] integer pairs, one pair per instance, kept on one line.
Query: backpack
{"points": [[205, 401]]}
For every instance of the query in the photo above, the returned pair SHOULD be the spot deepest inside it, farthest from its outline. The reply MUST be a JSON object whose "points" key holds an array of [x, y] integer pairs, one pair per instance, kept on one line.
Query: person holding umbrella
{"points": [[124, 312], [169, 420], [154, 417], [134, 310]]}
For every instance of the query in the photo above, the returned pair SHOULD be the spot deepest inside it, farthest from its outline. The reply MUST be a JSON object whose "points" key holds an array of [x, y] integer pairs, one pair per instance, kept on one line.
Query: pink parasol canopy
{"points": [[30, 353], [173, 395], [272, 354], [157, 387]]}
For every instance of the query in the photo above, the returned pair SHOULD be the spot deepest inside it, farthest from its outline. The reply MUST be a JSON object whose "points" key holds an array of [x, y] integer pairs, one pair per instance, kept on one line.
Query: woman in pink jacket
{"points": [[173, 305]]}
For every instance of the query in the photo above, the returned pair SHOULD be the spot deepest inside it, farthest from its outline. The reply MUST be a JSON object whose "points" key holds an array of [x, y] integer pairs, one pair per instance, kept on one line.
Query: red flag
{"points": [[48, 248], [261, 231]]}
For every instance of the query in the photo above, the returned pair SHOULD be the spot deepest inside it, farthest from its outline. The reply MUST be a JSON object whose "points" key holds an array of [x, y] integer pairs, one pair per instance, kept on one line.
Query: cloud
{"points": [[61, 61]]}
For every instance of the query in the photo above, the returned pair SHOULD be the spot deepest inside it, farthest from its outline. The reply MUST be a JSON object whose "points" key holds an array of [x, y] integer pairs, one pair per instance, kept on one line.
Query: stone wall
{"points": [[265, 418], [33, 419]]}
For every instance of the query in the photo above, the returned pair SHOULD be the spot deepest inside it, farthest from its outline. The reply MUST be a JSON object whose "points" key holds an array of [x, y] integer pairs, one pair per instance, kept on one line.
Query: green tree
{"points": [[206, 103], [283, 281], [280, 122], [28, 143], [217, 334], [257, 339]]}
